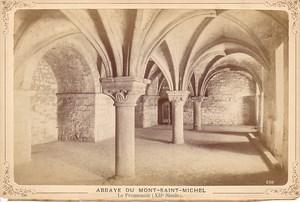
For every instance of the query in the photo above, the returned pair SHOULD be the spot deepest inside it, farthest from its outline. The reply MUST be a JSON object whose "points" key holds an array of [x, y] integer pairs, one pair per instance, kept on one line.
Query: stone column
{"points": [[125, 91], [197, 101], [177, 99]]}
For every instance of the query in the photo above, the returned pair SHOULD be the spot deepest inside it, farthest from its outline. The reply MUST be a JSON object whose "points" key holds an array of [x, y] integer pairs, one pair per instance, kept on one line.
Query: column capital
{"points": [[178, 97], [124, 90], [198, 99]]}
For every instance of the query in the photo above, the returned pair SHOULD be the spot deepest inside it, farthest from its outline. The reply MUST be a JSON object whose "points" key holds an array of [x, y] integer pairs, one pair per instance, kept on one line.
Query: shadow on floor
{"points": [[218, 132], [236, 147], [151, 138]]}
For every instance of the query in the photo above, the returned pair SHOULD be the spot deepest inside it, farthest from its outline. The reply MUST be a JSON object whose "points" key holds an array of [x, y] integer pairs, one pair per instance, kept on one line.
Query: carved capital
{"points": [[198, 100], [124, 97], [124, 90], [178, 97]]}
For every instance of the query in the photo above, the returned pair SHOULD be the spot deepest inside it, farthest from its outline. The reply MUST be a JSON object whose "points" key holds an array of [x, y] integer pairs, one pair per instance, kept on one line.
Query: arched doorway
{"points": [[55, 100], [164, 112]]}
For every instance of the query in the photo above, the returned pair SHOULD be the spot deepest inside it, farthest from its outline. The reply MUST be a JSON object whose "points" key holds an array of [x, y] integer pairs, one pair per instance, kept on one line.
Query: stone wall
{"points": [[188, 113], [230, 100], [104, 117], [152, 88], [85, 117], [71, 70], [76, 94], [164, 89], [150, 110], [275, 127], [146, 111], [76, 117], [139, 113], [57, 109], [66, 116], [43, 105], [268, 113]]}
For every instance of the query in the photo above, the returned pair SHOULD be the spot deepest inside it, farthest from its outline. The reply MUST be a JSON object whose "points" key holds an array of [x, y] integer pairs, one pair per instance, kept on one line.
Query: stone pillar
{"points": [[197, 112], [177, 99], [125, 91]]}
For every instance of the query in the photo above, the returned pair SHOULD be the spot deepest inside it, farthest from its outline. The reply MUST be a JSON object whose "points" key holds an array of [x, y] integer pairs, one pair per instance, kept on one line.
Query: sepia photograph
{"points": [[149, 101]]}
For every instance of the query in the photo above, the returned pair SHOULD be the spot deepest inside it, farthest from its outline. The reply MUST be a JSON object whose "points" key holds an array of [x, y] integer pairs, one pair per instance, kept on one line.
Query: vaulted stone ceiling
{"points": [[181, 44]]}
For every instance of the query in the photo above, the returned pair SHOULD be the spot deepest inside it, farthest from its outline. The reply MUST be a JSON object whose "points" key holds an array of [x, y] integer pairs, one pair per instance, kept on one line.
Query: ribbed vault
{"points": [[178, 41]]}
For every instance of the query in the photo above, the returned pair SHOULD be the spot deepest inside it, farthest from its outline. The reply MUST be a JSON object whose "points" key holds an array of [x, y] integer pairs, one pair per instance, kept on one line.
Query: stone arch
{"points": [[221, 69], [230, 99], [153, 73], [55, 91], [166, 74], [27, 44], [43, 104], [70, 69], [23, 72], [192, 85], [152, 88], [76, 94], [173, 24], [225, 46]]}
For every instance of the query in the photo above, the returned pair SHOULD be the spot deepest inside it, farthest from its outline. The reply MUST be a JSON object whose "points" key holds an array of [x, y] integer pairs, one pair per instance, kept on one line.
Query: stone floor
{"points": [[207, 158]]}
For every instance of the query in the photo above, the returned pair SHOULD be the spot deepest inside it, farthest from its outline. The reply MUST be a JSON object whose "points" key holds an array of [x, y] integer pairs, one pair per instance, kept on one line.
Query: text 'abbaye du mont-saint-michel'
{"points": [[151, 192]]}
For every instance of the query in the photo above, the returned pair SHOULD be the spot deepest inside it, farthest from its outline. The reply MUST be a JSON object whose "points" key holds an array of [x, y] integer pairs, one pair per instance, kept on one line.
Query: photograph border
{"points": [[11, 190]]}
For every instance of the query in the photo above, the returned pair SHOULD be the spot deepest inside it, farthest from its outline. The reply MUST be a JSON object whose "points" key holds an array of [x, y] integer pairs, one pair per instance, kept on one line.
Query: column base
{"points": [[197, 128], [178, 141]]}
